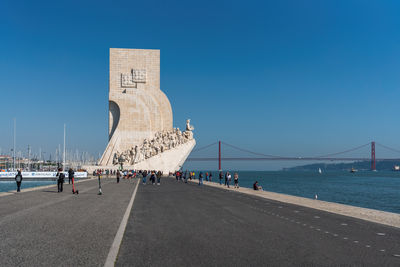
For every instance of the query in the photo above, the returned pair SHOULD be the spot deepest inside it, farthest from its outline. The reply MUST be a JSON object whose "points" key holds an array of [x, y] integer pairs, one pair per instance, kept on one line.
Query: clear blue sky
{"points": [[278, 77]]}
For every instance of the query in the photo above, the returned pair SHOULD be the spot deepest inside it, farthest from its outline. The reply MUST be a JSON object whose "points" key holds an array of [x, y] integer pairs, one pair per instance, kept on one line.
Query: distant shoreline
{"points": [[386, 165]]}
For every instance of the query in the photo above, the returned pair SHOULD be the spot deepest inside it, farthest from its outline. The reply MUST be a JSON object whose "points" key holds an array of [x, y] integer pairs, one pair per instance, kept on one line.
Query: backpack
{"points": [[61, 176], [18, 178]]}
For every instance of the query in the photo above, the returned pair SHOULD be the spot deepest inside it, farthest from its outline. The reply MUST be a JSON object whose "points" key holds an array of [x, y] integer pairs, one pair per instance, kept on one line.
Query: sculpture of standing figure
{"points": [[188, 126], [115, 158]]}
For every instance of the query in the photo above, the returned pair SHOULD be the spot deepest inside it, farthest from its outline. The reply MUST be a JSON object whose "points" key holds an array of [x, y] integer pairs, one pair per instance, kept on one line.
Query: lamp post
{"points": [[29, 158]]}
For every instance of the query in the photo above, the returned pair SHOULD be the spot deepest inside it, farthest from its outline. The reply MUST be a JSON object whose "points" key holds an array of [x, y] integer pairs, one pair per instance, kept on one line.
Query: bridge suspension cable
{"points": [[204, 147], [342, 152], [331, 156], [251, 152], [321, 156], [389, 148]]}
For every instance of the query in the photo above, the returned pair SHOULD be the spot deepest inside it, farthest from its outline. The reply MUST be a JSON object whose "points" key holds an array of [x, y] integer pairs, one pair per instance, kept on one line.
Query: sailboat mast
{"points": [[64, 148]]}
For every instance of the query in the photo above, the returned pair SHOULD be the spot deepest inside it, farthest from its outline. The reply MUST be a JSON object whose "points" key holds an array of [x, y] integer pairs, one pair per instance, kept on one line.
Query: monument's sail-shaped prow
{"points": [[141, 133]]}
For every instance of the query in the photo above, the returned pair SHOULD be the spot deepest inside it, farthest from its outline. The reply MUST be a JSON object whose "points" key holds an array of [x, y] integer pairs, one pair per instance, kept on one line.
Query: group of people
{"points": [[106, 172], [224, 178], [188, 175], [153, 175], [228, 179], [208, 176], [60, 179], [125, 174]]}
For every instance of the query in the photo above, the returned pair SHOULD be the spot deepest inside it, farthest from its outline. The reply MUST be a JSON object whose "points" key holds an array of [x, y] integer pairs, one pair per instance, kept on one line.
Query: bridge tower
{"points": [[373, 161], [219, 155]]}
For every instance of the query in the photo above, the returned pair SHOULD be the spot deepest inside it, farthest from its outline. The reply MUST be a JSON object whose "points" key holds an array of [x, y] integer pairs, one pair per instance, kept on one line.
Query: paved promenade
{"points": [[179, 224], [46, 228]]}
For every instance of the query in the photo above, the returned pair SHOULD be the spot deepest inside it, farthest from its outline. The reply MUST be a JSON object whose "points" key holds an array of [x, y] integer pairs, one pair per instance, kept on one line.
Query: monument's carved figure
{"points": [[141, 133], [161, 142]]}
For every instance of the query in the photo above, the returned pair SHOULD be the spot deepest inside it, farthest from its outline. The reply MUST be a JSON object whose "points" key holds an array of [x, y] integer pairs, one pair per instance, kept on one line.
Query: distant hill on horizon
{"points": [[359, 165]]}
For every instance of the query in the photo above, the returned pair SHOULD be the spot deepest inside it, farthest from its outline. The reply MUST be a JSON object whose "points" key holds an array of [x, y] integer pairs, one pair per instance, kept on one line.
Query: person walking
{"points": [[228, 179], [186, 176], [200, 178], [221, 176], [236, 179], [210, 177], [71, 175], [118, 176], [60, 180], [144, 174], [159, 174], [18, 180], [206, 176], [153, 178]]}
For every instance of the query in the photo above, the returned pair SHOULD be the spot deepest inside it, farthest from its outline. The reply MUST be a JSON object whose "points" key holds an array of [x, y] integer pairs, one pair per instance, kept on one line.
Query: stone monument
{"points": [[141, 133]]}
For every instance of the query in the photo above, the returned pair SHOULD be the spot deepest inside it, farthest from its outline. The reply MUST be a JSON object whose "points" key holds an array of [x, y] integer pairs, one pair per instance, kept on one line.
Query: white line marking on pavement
{"points": [[316, 217], [382, 250], [113, 253], [318, 229], [396, 255], [326, 232], [335, 234], [345, 238], [355, 241], [344, 224], [367, 246], [381, 234]]}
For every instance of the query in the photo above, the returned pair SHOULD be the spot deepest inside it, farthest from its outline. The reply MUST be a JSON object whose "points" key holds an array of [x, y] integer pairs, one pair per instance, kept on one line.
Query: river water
{"points": [[374, 190], [6, 186]]}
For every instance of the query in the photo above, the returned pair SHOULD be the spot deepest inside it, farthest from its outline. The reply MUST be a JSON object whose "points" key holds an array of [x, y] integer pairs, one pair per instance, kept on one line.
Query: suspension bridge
{"points": [[337, 156]]}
